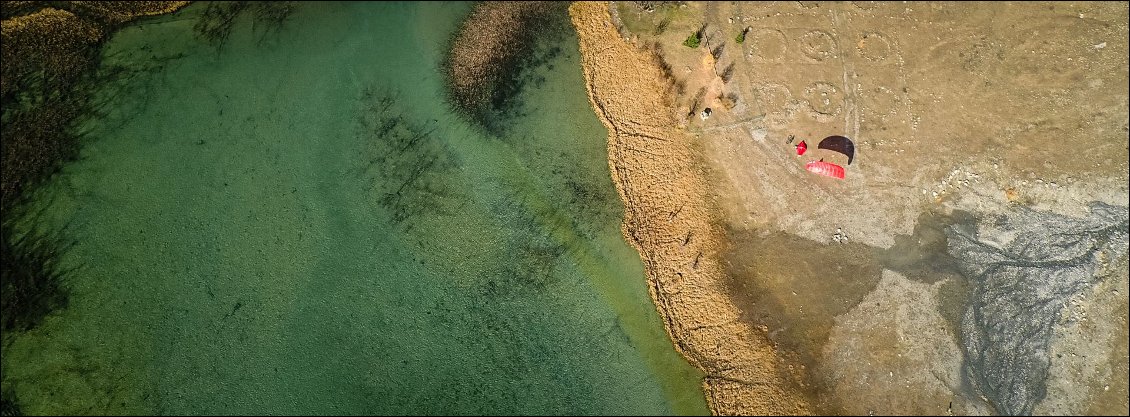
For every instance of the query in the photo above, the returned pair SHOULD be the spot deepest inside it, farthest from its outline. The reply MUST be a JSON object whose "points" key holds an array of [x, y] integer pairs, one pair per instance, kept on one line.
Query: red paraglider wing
{"points": [[825, 168], [839, 144]]}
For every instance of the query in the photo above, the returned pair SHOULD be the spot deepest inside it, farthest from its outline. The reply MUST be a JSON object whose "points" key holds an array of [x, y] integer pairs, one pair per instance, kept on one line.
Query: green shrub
{"points": [[693, 40], [740, 38]]}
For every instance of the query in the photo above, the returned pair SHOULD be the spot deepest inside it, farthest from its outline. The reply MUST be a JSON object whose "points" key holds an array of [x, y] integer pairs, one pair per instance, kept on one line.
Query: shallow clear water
{"points": [[298, 223]]}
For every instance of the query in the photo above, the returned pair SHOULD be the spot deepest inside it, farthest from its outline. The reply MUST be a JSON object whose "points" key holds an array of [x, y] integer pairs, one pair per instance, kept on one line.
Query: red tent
{"points": [[827, 169], [801, 147]]}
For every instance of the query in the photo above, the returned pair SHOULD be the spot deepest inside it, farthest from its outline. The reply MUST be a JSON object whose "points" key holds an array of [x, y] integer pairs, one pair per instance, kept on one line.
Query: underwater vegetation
{"points": [[493, 55], [406, 162], [216, 22], [33, 284]]}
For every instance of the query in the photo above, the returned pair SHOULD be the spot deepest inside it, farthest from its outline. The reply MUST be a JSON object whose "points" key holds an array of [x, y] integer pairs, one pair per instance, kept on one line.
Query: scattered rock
{"points": [[840, 236]]}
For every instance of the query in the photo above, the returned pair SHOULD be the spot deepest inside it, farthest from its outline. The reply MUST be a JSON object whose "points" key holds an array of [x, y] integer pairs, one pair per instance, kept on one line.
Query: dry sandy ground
{"points": [[971, 108]]}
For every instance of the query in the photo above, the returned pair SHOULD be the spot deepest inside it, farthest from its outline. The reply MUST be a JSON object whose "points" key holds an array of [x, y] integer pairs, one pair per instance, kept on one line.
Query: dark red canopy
{"points": [[839, 144]]}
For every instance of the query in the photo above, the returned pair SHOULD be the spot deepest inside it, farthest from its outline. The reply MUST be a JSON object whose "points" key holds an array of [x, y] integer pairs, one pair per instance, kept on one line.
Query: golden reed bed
{"points": [[668, 220]]}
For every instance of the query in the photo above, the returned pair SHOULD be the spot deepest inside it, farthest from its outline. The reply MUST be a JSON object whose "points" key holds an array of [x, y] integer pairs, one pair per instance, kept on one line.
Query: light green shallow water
{"points": [[299, 224]]}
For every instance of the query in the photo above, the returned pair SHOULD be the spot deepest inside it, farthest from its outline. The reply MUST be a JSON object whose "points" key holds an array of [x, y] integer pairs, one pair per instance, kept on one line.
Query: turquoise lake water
{"points": [[298, 223]]}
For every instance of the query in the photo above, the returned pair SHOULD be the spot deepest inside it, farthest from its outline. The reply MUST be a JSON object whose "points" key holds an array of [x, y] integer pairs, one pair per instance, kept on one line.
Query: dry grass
{"points": [[44, 56], [654, 167], [118, 12], [54, 42], [492, 41], [46, 53]]}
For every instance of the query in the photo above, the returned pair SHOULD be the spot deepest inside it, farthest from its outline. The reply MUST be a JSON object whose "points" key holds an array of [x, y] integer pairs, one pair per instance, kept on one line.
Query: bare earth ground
{"points": [[972, 108]]}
